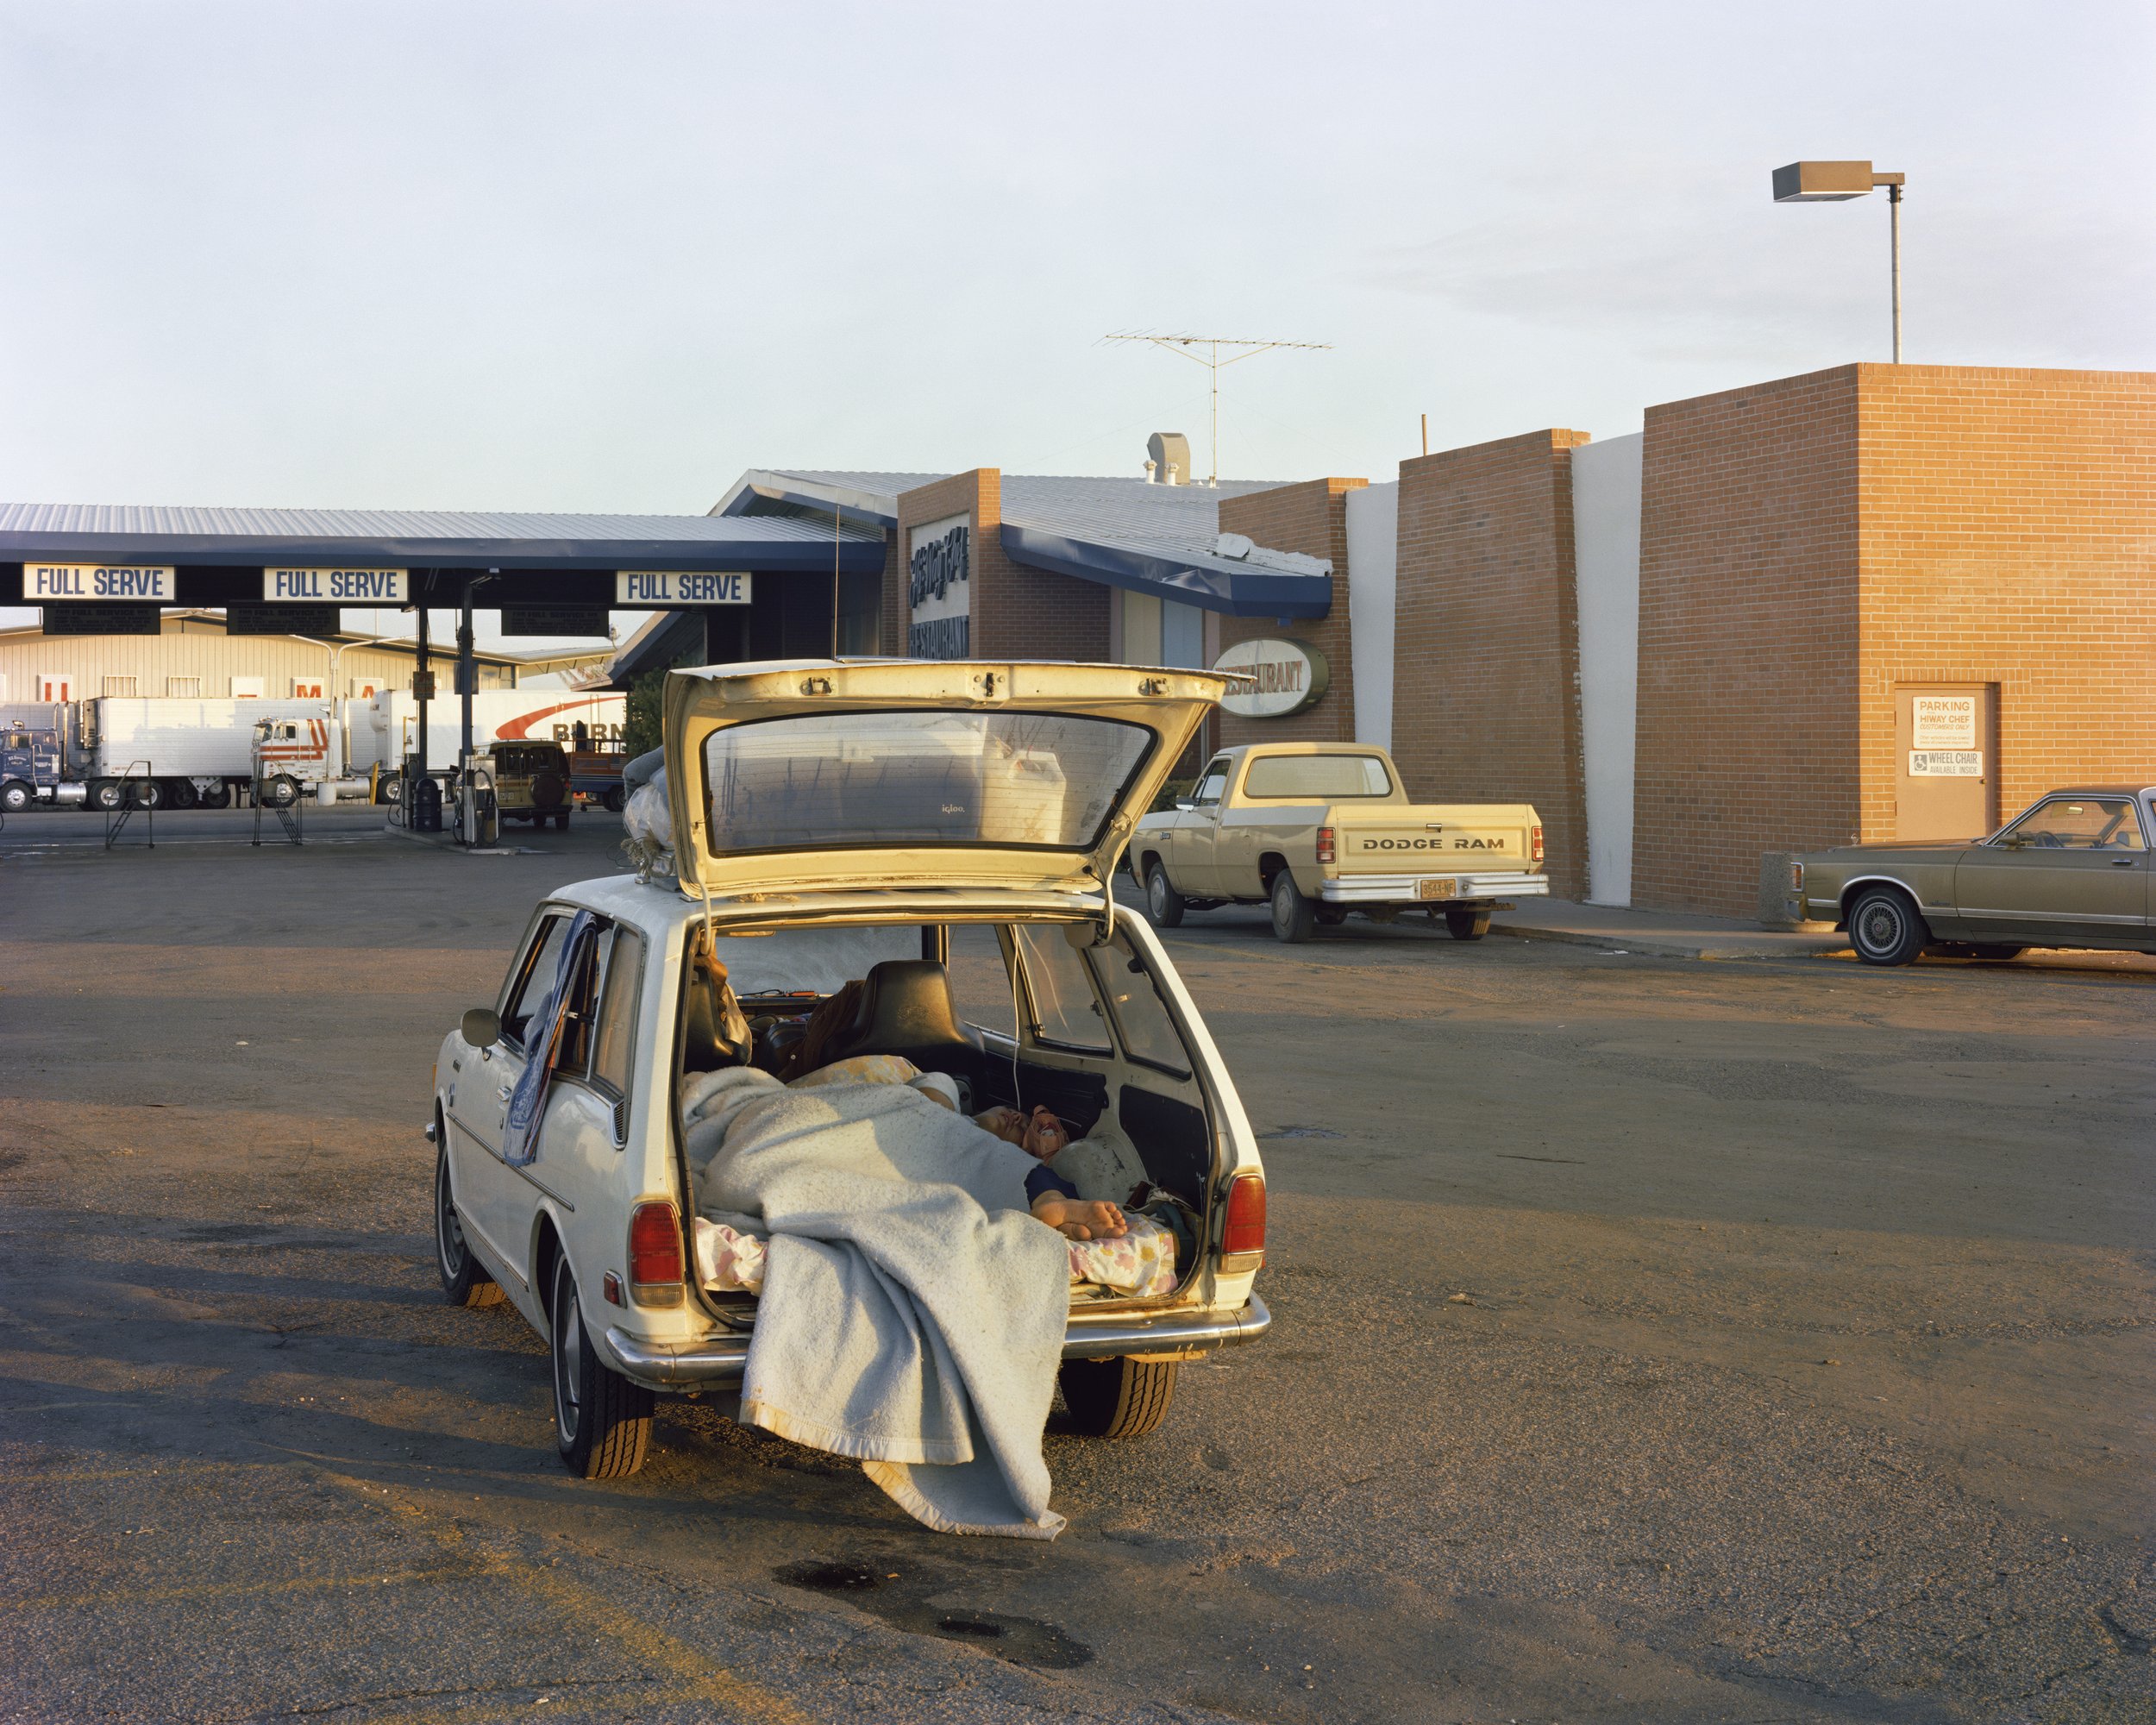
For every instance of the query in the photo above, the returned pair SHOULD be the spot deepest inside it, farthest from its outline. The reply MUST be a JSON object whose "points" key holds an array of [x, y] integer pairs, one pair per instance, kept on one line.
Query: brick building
{"points": [[1879, 601]]}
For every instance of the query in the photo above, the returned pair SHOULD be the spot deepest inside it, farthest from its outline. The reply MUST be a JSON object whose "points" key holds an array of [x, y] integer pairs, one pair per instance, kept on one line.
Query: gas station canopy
{"points": [[220, 556]]}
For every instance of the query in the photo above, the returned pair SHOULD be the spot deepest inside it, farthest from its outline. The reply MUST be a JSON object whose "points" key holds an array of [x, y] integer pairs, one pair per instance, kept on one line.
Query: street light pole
{"points": [[1893, 245], [1835, 182]]}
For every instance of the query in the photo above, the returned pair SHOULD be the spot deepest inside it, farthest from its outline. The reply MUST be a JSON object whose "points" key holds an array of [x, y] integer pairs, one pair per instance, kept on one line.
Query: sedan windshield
{"points": [[1044, 779]]}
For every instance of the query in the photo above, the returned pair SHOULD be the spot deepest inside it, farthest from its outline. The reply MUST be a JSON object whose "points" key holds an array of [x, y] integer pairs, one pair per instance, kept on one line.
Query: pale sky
{"points": [[455, 254]]}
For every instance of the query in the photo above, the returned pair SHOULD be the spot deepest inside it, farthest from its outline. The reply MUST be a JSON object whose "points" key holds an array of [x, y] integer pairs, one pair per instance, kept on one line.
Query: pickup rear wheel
{"points": [[602, 1421], [463, 1282], [1118, 1398], [1884, 926], [1467, 924], [1164, 905], [1294, 919]]}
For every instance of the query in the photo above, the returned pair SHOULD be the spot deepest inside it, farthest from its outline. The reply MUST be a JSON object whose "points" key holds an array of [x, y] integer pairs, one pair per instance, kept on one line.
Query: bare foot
{"points": [[1080, 1218]]}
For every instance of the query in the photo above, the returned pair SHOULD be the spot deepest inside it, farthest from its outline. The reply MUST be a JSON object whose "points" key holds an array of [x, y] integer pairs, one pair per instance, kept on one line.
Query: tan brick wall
{"points": [[2007, 522], [1807, 544], [1747, 716], [1311, 518], [1486, 660]]}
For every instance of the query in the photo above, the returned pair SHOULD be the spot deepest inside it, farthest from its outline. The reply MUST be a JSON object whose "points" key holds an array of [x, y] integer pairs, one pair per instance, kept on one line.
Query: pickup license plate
{"points": [[1445, 887]]}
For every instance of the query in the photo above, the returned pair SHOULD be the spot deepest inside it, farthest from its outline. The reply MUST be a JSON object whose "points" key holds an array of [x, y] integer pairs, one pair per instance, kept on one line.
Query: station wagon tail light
{"points": [[654, 1254], [1243, 1239], [1534, 842], [1324, 844]]}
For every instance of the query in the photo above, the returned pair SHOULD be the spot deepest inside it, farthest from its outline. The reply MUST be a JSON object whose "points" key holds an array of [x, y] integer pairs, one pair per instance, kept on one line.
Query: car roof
{"points": [[2099, 791]]}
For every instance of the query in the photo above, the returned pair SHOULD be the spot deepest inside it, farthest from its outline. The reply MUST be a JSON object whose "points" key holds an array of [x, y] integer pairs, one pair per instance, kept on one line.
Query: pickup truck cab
{"points": [[874, 823], [1320, 829]]}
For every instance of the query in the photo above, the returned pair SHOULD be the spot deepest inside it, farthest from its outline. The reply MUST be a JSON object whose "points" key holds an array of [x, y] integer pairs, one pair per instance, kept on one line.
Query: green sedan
{"points": [[2073, 870]]}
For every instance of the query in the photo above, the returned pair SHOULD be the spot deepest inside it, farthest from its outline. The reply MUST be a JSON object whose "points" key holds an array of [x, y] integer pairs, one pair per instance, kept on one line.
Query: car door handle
{"points": [[2123, 862], [507, 1092]]}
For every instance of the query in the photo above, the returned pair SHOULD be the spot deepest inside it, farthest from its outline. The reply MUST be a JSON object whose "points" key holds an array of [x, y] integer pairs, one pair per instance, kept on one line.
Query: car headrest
{"points": [[905, 1008], [704, 1048]]}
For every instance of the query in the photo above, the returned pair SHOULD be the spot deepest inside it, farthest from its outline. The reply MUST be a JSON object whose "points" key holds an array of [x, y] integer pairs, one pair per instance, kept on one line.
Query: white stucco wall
{"points": [[1373, 552], [1606, 552]]}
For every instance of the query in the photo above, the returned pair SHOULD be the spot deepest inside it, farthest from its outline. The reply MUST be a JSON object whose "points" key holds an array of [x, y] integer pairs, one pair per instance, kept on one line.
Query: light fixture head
{"points": [[1823, 182]]}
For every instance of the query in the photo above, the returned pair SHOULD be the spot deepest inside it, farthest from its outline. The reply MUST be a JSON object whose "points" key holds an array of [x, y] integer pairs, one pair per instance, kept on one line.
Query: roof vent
{"points": [[1170, 459]]}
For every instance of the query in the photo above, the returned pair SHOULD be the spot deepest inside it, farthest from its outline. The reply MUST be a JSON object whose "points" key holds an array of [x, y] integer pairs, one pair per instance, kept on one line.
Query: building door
{"points": [[1946, 764]]}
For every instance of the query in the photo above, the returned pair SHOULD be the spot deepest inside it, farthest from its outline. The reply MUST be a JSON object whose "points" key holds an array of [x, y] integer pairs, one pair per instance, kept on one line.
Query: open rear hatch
{"points": [[826, 777]]}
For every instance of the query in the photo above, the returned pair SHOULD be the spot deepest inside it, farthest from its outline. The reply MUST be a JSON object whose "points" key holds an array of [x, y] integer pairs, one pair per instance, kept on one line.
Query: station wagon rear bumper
{"points": [[1107, 1335], [1393, 890]]}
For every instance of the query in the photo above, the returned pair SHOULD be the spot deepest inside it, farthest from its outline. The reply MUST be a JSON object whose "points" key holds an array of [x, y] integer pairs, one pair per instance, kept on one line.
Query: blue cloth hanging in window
{"points": [[542, 1046]]}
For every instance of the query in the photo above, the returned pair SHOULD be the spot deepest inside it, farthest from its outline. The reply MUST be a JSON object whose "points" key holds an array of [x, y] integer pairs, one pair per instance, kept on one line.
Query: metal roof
{"points": [[429, 538], [1129, 533]]}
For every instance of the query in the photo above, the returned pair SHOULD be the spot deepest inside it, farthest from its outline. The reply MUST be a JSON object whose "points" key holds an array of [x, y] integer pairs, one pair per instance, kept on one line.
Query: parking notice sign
{"points": [[1942, 722], [1946, 763]]}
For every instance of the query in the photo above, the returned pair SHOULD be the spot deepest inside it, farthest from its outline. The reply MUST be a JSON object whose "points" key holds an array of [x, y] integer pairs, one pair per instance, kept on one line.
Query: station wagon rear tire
{"points": [[1886, 928], [1164, 905], [1118, 1398], [463, 1281], [1467, 924], [602, 1421], [1295, 918], [14, 796]]}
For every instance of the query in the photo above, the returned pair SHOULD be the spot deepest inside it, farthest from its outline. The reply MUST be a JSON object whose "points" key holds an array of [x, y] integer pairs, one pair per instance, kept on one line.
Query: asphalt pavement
{"points": [[1655, 1340]]}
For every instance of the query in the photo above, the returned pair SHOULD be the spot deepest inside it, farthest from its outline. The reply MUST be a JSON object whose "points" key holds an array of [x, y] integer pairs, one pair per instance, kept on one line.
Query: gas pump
{"points": [[477, 818]]}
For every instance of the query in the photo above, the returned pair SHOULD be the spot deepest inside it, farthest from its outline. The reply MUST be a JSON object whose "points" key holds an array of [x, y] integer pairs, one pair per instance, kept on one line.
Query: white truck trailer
{"points": [[184, 753], [381, 732]]}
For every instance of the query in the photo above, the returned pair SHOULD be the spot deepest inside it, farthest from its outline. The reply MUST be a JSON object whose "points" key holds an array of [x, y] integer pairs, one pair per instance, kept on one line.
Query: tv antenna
{"points": [[1212, 362]]}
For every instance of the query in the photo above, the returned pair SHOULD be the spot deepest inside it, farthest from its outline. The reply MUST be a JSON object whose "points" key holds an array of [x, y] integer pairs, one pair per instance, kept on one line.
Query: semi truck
{"points": [[180, 752], [174, 751]]}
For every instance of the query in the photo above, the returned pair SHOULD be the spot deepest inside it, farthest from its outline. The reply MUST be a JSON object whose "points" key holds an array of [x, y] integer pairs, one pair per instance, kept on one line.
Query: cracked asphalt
{"points": [[1655, 1340]]}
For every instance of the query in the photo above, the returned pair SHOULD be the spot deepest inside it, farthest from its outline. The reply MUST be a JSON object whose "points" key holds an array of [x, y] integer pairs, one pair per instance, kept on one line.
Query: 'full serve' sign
{"points": [[650, 589], [75, 583], [333, 586]]}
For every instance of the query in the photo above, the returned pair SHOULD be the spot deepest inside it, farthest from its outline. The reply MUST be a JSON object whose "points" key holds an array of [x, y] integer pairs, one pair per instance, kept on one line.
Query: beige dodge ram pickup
{"points": [[1317, 829]]}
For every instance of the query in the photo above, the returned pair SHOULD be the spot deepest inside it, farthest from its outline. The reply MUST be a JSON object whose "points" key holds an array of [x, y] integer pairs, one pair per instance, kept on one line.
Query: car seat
{"points": [[907, 1009]]}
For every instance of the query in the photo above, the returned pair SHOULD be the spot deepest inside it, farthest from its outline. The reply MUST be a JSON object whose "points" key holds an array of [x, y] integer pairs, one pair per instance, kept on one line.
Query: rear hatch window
{"points": [[1003, 779]]}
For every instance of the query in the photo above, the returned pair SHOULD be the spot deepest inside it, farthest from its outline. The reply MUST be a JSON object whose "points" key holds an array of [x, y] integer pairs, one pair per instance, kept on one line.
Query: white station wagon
{"points": [[843, 822]]}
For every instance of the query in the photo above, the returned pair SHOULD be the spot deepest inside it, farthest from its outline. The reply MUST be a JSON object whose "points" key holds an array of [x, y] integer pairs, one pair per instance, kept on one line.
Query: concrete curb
{"points": [[1665, 945], [444, 842]]}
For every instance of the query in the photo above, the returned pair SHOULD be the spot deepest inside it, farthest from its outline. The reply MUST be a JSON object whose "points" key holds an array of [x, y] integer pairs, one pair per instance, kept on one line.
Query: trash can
{"points": [[426, 805]]}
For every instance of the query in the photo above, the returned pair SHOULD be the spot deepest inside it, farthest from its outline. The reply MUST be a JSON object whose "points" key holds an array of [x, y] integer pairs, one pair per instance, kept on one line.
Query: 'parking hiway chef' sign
{"points": [[74, 583], [654, 589], [1942, 721], [333, 586]]}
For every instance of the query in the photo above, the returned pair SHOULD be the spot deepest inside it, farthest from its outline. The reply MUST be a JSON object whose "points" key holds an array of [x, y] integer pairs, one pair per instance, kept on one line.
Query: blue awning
{"points": [[1213, 583]]}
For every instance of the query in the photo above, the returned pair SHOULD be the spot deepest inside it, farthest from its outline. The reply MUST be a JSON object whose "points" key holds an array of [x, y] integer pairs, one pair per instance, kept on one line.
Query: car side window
{"points": [[1211, 784], [1149, 1034], [534, 974], [2080, 824], [1065, 1010], [618, 997]]}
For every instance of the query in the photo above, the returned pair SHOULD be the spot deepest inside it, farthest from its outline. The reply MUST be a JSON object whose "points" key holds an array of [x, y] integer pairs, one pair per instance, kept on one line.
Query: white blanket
{"points": [[913, 1313]]}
